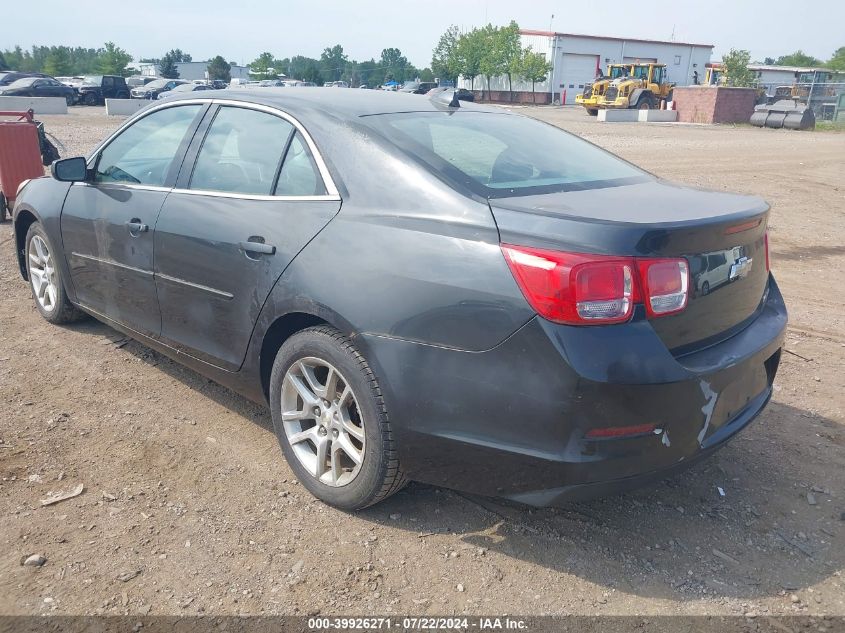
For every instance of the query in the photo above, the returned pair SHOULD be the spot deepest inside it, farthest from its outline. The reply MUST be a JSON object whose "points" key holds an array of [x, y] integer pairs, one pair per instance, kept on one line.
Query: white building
{"points": [[577, 58], [189, 71]]}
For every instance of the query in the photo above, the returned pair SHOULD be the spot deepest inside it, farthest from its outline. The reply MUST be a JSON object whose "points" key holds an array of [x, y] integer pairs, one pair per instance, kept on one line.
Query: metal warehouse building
{"points": [[577, 58]]}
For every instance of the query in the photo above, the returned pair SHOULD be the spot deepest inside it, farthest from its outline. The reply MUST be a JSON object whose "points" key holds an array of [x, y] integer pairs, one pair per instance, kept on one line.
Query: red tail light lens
{"points": [[573, 287], [665, 285], [581, 289]]}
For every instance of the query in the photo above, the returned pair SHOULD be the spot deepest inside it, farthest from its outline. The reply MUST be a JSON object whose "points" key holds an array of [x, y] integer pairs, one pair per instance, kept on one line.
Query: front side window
{"points": [[143, 153], [499, 155], [242, 152]]}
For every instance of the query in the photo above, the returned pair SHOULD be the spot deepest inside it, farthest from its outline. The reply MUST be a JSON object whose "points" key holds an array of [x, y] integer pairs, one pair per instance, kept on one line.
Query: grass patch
{"points": [[830, 126]]}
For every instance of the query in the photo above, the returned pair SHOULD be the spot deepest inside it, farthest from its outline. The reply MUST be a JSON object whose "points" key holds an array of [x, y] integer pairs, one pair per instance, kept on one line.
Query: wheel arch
{"points": [[23, 220], [275, 336]]}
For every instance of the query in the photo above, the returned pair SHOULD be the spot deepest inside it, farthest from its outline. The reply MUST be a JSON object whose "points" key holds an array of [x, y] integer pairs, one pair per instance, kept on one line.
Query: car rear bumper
{"points": [[513, 421]]}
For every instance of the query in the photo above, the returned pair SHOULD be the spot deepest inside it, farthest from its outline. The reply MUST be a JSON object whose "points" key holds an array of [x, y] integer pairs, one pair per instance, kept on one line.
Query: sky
{"points": [[240, 31]]}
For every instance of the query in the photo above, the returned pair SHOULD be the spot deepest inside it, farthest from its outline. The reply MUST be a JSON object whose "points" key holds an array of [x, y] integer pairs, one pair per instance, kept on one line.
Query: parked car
{"points": [[153, 89], [218, 84], [418, 87], [336, 84], [39, 87], [10, 76], [192, 87], [463, 93], [515, 320], [95, 89], [271, 83], [138, 80]]}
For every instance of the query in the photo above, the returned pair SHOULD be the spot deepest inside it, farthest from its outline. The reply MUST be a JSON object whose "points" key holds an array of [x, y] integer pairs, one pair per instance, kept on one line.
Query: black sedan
{"points": [[419, 289], [39, 87]]}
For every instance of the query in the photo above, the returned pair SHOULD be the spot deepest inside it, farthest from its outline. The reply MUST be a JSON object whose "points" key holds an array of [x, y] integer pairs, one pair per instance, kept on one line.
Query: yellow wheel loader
{"points": [[642, 88], [589, 98]]}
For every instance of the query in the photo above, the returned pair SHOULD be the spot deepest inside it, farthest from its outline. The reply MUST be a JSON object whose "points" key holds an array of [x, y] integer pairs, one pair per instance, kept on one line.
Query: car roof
{"points": [[343, 103]]}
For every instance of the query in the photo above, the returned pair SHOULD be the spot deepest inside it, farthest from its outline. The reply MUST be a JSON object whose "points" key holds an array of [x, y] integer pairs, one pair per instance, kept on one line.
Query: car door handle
{"points": [[136, 226], [258, 247]]}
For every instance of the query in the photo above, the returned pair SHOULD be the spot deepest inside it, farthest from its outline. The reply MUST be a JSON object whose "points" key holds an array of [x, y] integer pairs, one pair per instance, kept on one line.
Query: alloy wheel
{"points": [[322, 421], [42, 274]]}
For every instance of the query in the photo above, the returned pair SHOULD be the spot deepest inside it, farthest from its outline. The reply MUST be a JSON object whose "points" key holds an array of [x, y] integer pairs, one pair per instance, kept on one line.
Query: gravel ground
{"points": [[188, 507]]}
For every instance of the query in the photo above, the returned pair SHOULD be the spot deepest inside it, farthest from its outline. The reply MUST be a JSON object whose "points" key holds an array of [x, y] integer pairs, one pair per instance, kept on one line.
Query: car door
{"points": [[107, 222], [253, 192], [108, 87]]}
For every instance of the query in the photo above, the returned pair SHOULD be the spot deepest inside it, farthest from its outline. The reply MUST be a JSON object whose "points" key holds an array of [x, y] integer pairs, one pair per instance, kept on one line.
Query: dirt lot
{"points": [[189, 508]]}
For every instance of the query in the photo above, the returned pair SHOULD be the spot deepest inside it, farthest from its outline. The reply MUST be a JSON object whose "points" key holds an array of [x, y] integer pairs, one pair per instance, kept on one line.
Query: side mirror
{"points": [[70, 170]]}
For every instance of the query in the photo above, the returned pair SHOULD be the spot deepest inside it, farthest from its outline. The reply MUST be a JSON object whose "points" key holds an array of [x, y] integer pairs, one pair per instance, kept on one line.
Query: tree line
{"points": [[484, 52], [488, 51], [334, 65]]}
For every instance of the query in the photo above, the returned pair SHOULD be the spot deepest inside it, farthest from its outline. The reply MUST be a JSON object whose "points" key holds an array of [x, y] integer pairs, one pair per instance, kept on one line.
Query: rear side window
{"points": [[299, 176], [499, 155], [143, 152], [242, 152]]}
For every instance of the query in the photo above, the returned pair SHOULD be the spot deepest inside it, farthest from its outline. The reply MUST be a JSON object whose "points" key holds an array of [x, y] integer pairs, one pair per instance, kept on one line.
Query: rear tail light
{"points": [[572, 287], [665, 284], [581, 289]]}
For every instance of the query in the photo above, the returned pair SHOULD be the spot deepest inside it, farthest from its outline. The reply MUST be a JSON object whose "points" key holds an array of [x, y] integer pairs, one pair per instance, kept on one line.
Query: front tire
{"points": [[90, 99], [45, 279], [645, 103], [592, 111], [331, 420]]}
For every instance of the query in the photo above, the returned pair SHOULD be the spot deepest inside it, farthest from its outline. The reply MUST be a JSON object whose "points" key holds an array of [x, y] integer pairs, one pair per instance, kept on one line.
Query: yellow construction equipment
{"points": [[589, 98], [642, 88], [715, 75]]}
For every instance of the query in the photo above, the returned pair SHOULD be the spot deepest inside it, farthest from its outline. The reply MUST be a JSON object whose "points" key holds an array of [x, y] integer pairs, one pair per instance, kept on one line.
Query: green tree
{"points": [[333, 62], [736, 68], [58, 62], [445, 59], [469, 53], [798, 58], [426, 74], [837, 62], [533, 67], [167, 67], [112, 60], [3, 64], [263, 67], [178, 56], [396, 65], [509, 51], [219, 68], [492, 59]]}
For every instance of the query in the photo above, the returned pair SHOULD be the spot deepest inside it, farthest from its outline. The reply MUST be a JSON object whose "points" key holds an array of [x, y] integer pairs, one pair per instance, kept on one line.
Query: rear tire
{"points": [[90, 99], [3, 208], [331, 420], [45, 279], [69, 100]]}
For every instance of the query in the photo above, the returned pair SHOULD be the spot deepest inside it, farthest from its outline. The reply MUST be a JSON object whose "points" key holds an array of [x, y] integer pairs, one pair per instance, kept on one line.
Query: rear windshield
{"points": [[502, 155]]}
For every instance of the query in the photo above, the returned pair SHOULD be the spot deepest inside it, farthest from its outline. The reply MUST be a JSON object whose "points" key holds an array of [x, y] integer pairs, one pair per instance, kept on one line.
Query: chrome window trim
{"points": [[121, 185], [253, 196], [332, 192]]}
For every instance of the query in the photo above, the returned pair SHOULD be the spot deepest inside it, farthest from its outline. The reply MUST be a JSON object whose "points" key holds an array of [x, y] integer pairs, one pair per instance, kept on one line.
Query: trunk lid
{"points": [[721, 235]]}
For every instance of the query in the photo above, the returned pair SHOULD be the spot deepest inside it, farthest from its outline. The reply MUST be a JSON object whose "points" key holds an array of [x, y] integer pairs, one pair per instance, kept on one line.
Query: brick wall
{"points": [[710, 104], [503, 96]]}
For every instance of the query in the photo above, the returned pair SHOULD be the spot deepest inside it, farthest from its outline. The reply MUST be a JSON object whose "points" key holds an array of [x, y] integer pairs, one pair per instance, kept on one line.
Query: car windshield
{"points": [[501, 155], [23, 83], [92, 80], [617, 71]]}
